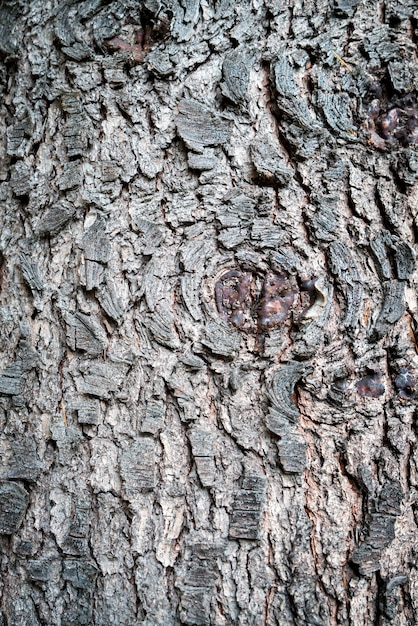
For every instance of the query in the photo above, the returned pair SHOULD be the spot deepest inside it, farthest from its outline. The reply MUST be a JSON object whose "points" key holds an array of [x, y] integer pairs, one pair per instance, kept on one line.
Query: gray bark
{"points": [[208, 312]]}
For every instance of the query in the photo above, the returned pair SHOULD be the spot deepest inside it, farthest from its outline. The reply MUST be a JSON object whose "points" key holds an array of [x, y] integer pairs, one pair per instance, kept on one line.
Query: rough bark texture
{"points": [[208, 312]]}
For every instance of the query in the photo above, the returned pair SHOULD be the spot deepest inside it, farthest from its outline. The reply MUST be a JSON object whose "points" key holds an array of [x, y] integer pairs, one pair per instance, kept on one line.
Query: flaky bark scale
{"points": [[208, 372]]}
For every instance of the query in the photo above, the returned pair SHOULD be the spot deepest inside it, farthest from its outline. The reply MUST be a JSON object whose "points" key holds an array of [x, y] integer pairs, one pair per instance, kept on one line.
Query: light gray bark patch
{"points": [[197, 582], [22, 609], [84, 333], [391, 202], [109, 301], [401, 76], [11, 379], [324, 218], [21, 178], [181, 208], [345, 8], [76, 540], [192, 361], [194, 253], [204, 162], [159, 63], [13, 503], [245, 518], [280, 390], [152, 234], [81, 574], [202, 442], [78, 52], [56, 218], [94, 273], [39, 570], [191, 11], [138, 464], [381, 533], [283, 415], [190, 291], [407, 167], [290, 101], [405, 260], [231, 238], [30, 272], [161, 325], [25, 463], [302, 148], [361, 193], [10, 26], [88, 411], [18, 135], [335, 107], [155, 281], [393, 307], [199, 126], [75, 135], [100, 379], [186, 15], [264, 234], [153, 419], [97, 250], [237, 209], [345, 269], [380, 257], [292, 452], [114, 70], [269, 164], [71, 177], [221, 339], [76, 128], [68, 438], [236, 76]]}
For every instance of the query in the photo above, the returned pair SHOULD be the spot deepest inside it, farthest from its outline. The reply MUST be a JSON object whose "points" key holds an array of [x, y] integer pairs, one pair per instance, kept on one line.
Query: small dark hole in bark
{"points": [[394, 21]]}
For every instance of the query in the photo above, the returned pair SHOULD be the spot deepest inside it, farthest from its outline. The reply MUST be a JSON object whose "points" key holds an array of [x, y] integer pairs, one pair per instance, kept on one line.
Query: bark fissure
{"points": [[208, 278]]}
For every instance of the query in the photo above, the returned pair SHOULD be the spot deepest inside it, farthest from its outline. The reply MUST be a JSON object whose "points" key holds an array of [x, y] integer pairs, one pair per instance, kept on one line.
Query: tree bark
{"points": [[208, 312]]}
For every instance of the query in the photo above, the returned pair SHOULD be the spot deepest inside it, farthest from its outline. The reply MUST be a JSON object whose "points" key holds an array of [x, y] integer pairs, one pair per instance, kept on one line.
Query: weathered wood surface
{"points": [[208, 312]]}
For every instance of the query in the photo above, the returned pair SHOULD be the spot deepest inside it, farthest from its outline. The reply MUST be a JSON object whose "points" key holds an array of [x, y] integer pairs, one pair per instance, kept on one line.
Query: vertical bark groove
{"points": [[208, 352]]}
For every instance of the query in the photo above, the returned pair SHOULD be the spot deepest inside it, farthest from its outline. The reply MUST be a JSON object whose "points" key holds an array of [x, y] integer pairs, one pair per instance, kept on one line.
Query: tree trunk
{"points": [[208, 312]]}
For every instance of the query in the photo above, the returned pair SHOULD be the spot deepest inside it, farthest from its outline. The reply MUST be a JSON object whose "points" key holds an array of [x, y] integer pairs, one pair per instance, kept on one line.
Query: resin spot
{"points": [[406, 384], [371, 386], [234, 298], [277, 299]]}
